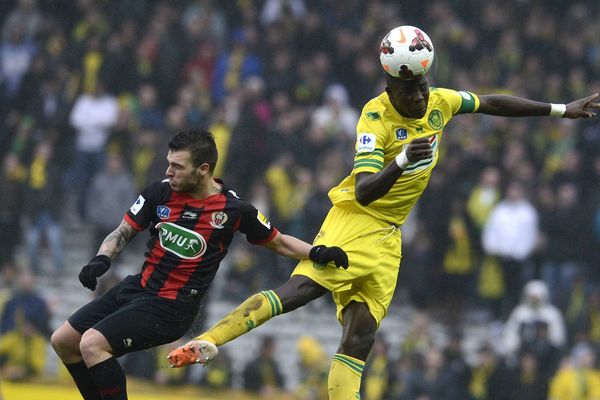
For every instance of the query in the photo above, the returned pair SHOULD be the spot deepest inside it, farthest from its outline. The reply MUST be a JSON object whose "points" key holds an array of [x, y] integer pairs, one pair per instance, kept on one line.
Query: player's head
{"points": [[406, 54], [192, 157]]}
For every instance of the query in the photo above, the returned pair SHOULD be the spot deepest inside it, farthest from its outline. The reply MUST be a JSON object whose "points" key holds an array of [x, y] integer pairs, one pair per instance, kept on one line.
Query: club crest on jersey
{"points": [[218, 218], [401, 134], [436, 120], [181, 241], [163, 212]]}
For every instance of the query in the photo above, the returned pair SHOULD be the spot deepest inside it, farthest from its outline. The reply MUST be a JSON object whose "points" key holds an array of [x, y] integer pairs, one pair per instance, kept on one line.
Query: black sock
{"points": [[110, 379], [84, 381]]}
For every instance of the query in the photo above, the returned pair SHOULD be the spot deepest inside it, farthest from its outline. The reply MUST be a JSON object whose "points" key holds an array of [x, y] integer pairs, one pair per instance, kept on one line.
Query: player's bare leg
{"points": [[65, 341], [103, 366], [357, 339]]}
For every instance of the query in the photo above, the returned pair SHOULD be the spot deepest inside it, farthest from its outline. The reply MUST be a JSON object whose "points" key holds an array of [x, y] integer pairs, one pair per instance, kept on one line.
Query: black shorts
{"points": [[133, 319]]}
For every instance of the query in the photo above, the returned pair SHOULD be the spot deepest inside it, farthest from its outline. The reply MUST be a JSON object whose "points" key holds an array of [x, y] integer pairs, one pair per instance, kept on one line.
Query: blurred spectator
{"points": [[26, 305], [16, 54], [490, 376], [22, 352], [529, 382], [419, 338], [458, 369], [433, 380], [535, 325], [262, 375], [220, 374], [578, 378], [314, 367], [111, 192], [93, 116], [336, 116], [237, 64], [12, 180], [567, 241], [511, 234], [43, 206], [244, 275], [459, 263], [376, 376]]}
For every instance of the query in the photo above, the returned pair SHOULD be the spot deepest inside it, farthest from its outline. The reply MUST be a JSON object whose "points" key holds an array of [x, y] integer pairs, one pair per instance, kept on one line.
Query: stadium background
{"points": [[281, 83]]}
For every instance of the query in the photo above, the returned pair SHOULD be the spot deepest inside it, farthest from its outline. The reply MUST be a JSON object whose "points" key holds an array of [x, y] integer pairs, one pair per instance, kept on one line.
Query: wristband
{"points": [[402, 160], [557, 110]]}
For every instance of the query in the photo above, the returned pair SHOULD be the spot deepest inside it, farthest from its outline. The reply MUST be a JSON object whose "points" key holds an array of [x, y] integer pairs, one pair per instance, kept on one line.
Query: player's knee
{"points": [[92, 342], [64, 343], [358, 344]]}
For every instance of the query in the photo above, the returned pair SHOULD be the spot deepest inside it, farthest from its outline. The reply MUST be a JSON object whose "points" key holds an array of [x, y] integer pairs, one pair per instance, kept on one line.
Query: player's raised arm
{"points": [[512, 106], [110, 248]]}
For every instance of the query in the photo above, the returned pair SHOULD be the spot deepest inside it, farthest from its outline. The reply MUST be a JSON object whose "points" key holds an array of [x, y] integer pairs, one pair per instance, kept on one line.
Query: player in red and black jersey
{"points": [[192, 218]]}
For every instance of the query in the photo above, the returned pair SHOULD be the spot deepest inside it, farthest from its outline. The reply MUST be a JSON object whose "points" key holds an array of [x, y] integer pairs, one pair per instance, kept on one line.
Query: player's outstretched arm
{"points": [[512, 106], [292, 247], [110, 248]]}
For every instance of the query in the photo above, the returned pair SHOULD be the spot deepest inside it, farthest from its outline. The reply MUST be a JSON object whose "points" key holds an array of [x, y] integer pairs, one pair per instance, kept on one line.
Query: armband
{"points": [[402, 159], [557, 110]]}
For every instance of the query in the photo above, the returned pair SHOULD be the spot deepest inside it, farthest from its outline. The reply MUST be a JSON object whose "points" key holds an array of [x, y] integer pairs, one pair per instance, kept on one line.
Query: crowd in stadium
{"points": [[510, 223]]}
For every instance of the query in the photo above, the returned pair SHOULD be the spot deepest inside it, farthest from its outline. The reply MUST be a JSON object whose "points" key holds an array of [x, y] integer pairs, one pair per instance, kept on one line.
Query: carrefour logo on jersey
{"points": [[181, 241], [365, 143]]}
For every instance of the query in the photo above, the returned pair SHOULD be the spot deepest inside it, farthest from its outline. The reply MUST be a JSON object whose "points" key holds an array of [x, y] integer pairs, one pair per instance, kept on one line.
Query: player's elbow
{"points": [[363, 199]]}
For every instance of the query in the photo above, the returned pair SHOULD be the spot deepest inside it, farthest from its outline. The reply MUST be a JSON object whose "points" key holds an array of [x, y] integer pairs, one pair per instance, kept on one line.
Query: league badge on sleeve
{"points": [[137, 206], [263, 220]]}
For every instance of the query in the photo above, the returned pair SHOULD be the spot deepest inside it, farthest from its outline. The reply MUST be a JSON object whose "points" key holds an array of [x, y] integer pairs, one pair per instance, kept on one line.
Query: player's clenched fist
{"points": [[417, 150], [93, 270], [193, 352]]}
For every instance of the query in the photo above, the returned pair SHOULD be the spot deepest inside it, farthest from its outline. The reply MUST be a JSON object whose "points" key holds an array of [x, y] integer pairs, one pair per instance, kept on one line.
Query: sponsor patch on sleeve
{"points": [[263, 220], [365, 143], [137, 206]]}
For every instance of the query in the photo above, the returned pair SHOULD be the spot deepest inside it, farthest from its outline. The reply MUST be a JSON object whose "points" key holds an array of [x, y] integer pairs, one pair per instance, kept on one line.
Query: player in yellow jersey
{"points": [[398, 136]]}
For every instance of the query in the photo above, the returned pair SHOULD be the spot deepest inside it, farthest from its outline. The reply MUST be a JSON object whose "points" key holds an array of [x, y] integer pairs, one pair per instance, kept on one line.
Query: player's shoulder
{"points": [[450, 94], [375, 108], [158, 189]]}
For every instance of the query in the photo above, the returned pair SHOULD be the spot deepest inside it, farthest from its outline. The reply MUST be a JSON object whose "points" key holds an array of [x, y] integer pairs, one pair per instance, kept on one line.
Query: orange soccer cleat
{"points": [[193, 352]]}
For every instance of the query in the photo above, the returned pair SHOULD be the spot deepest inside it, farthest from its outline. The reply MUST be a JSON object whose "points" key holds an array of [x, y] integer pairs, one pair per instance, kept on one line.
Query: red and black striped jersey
{"points": [[189, 237]]}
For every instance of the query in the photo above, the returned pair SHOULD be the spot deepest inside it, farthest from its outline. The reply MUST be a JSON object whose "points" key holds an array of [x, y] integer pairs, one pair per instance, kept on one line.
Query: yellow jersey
{"points": [[382, 133]]}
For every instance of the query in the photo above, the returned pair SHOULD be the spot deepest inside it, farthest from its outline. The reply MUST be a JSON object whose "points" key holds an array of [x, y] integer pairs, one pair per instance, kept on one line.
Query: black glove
{"points": [[95, 268], [323, 255]]}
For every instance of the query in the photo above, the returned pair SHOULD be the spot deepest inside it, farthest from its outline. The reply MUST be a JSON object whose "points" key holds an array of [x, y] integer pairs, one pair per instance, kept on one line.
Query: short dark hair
{"points": [[201, 145], [392, 80]]}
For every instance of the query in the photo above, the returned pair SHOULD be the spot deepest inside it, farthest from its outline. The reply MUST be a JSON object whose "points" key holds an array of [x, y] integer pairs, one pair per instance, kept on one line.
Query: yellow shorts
{"points": [[374, 253]]}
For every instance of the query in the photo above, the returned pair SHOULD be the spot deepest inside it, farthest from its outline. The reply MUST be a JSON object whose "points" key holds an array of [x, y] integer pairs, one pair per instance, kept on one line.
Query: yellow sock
{"points": [[250, 314], [344, 377]]}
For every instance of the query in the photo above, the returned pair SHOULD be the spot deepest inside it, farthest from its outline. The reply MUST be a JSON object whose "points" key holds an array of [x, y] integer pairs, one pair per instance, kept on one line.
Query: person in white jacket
{"points": [[510, 234], [534, 313], [93, 116]]}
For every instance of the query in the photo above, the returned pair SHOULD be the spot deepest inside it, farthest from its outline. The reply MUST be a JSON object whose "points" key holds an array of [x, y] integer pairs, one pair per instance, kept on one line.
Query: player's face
{"points": [[182, 175], [409, 97]]}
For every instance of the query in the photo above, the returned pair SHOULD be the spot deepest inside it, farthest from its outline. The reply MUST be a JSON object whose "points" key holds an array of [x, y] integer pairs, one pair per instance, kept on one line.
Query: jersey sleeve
{"points": [[370, 135], [256, 226], [461, 102], [139, 215]]}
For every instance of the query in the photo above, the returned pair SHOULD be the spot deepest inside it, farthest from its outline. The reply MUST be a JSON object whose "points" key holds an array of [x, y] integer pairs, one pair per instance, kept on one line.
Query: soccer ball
{"points": [[406, 52]]}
